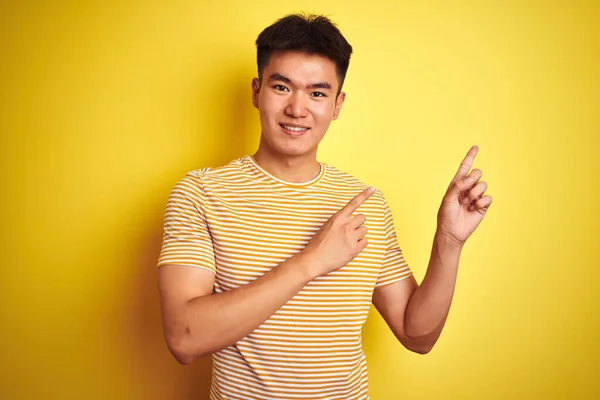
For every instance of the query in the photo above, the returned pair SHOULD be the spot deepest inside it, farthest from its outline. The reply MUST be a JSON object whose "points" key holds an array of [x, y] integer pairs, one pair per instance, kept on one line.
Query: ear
{"points": [[338, 105], [255, 91]]}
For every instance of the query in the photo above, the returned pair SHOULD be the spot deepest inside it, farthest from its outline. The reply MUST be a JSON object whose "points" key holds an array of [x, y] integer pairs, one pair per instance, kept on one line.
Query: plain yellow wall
{"points": [[105, 105]]}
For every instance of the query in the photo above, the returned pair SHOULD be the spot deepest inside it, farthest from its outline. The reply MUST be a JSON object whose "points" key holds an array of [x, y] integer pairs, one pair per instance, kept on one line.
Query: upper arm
{"points": [[186, 266], [395, 283], [391, 302], [394, 267], [177, 285]]}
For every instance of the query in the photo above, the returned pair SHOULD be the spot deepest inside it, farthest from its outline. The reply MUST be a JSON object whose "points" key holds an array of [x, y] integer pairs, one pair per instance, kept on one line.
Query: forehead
{"points": [[301, 67]]}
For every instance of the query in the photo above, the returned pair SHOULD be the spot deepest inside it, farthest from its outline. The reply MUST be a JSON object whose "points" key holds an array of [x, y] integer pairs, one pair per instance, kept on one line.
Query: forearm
{"points": [[216, 321], [429, 305]]}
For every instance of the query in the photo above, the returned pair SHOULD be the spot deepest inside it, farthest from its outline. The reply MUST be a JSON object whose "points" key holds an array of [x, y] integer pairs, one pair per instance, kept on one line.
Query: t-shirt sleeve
{"points": [[187, 240], [394, 268]]}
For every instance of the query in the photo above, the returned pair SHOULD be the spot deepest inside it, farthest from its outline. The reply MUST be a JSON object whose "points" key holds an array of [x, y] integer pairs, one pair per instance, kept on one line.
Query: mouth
{"points": [[293, 130]]}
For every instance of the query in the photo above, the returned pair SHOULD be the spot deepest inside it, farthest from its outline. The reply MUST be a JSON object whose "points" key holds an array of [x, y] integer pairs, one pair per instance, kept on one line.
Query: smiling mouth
{"points": [[294, 129]]}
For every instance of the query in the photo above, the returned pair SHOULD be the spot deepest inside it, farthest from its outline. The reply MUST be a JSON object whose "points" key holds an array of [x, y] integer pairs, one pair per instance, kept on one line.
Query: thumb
{"points": [[459, 186]]}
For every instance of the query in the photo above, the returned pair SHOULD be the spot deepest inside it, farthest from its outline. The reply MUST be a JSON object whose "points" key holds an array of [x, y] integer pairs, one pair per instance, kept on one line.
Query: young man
{"points": [[271, 262]]}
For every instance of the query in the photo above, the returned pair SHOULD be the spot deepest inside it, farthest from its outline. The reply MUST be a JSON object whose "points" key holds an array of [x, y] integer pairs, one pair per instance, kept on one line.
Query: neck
{"points": [[294, 169]]}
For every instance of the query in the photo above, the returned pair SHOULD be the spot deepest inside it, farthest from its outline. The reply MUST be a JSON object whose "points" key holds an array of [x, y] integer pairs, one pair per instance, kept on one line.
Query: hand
{"points": [[340, 239], [464, 205]]}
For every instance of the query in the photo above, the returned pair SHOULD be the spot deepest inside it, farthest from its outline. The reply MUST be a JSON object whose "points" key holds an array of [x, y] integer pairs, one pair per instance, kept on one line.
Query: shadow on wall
{"points": [[157, 373]]}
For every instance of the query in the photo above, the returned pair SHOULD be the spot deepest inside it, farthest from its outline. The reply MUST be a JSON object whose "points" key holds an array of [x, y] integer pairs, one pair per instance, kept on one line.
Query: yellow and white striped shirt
{"points": [[239, 222]]}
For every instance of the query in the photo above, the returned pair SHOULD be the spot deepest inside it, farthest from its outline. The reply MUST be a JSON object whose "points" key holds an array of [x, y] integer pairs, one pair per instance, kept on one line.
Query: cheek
{"points": [[323, 113], [269, 106]]}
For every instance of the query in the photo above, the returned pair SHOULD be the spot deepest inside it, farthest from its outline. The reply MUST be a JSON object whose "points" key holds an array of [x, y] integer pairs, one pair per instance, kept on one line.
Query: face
{"points": [[297, 101]]}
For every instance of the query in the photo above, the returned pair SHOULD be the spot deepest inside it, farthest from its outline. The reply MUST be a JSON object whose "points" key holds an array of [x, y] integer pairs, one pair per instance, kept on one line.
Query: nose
{"points": [[297, 106]]}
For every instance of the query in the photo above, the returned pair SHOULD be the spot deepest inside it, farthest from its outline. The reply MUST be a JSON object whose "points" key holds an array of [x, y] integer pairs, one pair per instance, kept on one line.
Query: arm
{"points": [[417, 314], [197, 323]]}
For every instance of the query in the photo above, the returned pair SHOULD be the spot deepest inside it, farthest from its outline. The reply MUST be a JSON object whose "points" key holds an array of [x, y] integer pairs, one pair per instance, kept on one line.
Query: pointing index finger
{"points": [[357, 201], [466, 164]]}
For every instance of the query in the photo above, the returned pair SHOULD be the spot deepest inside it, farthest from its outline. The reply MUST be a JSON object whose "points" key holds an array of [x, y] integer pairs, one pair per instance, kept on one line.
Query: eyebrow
{"points": [[319, 85]]}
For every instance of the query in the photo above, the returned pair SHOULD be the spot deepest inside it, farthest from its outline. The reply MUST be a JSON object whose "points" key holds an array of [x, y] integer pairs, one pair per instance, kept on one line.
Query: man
{"points": [[271, 262]]}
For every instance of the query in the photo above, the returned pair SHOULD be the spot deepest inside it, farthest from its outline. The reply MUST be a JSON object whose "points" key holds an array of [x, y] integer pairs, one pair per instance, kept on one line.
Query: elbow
{"points": [[182, 358], [421, 349], [417, 346], [182, 351]]}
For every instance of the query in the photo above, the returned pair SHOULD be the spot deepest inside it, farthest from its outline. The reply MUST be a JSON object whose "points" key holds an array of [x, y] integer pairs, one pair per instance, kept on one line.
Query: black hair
{"points": [[313, 34]]}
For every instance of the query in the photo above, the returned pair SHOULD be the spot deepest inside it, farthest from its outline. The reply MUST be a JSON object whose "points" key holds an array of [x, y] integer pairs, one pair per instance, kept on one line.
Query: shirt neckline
{"points": [[311, 182]]}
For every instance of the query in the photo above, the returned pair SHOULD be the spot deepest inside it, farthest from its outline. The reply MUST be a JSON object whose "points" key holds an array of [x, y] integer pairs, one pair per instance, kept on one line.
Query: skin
{"points": [[300, 89]]}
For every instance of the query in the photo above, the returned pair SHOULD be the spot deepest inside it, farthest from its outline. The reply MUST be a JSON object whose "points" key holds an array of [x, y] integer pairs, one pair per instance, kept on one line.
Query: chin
{"points": [[294, 149]]}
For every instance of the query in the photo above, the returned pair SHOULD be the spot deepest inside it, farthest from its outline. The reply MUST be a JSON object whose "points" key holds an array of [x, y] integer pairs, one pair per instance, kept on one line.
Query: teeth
{"points": [[294, 128]]}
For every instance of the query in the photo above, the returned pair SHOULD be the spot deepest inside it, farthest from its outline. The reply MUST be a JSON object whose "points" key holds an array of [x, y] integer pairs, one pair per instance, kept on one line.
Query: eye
{"points": [[280, 88], [318, 94]]}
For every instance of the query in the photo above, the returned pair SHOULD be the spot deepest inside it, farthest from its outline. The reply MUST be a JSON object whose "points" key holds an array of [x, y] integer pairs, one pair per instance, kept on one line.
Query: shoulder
{"points": [[342, 179], [208, 173], [202, 175], [194, 182]]}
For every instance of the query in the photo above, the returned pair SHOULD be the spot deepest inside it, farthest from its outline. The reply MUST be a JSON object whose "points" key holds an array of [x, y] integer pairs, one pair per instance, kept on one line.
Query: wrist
{"points": [[445, 241], [307, 264]]}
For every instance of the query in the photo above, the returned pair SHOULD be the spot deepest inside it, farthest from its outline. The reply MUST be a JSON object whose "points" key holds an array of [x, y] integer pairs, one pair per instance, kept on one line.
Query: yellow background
{"points": [[105, 105]]}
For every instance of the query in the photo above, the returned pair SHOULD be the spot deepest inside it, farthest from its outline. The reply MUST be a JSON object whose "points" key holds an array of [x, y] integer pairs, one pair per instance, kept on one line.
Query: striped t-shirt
{"points": [[239, 222]]}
